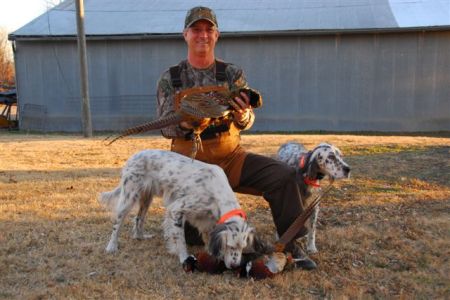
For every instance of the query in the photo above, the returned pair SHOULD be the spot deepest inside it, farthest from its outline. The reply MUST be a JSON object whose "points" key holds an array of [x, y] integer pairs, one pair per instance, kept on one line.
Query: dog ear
{"points": [[218, 240], [258, 246], [251, 240], [313, 169]]}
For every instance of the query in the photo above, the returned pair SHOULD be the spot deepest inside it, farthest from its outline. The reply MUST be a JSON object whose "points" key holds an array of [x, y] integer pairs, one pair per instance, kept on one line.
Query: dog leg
{"points": [[205, 237], [138, 229], [174, 231], [125, 205], [311, 238]]}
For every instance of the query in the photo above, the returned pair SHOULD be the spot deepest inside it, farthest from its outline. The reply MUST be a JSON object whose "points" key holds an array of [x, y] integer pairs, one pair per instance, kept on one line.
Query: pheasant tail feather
{"points": [[152, 125]]}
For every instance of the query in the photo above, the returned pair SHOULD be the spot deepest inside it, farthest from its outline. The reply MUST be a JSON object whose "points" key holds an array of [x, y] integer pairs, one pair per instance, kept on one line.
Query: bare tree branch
{"points": [[6, 60]]}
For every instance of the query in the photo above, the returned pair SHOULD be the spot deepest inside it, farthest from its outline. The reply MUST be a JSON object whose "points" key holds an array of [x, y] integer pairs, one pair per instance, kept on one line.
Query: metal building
{"points": [[347, 65]]}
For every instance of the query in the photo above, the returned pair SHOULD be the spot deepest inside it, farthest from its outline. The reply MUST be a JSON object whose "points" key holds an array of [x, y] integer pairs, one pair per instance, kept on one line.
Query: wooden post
{"points": [[85, 106]]}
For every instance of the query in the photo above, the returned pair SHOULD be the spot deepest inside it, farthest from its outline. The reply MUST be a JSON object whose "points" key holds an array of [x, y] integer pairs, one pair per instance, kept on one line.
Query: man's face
{"points": [[201, 37]]}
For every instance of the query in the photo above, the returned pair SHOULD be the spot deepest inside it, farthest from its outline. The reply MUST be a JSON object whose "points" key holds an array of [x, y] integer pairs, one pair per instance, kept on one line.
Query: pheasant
{"points": [[256, 266], [197, 108]]}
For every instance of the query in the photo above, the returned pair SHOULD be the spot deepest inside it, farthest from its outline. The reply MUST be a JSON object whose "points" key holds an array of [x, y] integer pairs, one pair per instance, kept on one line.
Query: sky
{"points": [[16, 13]]}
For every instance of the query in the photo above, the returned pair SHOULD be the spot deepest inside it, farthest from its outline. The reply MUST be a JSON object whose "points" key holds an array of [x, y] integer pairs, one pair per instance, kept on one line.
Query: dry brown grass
{"points": [[383, 234]]}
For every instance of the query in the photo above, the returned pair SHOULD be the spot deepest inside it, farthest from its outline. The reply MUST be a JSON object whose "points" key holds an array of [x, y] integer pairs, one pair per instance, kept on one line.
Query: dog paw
{"points": [[143, 236], [111, 248], [190, 264], [311, 249], [147, 236]]}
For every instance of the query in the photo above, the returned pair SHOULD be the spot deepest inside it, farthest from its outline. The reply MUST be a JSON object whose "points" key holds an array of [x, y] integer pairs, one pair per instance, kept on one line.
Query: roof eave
{"points": [[13, 37]]}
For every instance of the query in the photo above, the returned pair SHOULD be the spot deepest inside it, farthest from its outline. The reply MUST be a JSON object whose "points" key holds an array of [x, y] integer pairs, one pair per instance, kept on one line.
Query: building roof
{"points": [[162, 18]]}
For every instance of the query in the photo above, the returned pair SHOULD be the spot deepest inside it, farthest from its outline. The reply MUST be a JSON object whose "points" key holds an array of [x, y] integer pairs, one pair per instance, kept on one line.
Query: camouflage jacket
{"points": [[191, 77]]}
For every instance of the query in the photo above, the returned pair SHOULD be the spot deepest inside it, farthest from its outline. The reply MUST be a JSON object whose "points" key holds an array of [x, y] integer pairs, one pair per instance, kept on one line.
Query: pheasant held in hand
{"points": [[197, 106]]}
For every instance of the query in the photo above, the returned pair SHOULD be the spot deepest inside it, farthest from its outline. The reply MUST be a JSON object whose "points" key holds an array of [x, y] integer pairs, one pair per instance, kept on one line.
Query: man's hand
{"points": [[242, 108], [185, 125]]}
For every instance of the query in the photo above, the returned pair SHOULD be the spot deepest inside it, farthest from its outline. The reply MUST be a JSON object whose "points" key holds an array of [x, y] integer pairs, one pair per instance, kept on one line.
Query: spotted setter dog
{"points": [[193, 192], [312, 166]]}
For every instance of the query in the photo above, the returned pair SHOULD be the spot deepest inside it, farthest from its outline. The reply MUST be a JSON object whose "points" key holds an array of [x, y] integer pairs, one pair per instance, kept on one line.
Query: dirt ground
{"points": [[384, 233]]}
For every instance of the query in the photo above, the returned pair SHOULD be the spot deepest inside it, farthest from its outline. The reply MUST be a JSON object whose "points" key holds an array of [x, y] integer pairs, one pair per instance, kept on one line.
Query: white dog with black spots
{"points": [[192, 191], [313, 166]]}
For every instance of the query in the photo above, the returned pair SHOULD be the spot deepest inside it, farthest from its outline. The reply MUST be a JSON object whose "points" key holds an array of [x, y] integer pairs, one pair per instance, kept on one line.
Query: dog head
{"points": [[327, 159], [227, 241]]}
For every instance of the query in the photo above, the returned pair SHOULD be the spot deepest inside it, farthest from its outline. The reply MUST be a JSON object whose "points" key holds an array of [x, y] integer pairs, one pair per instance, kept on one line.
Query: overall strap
{"points": [[221, 75], [175, 76], [175, 73]]}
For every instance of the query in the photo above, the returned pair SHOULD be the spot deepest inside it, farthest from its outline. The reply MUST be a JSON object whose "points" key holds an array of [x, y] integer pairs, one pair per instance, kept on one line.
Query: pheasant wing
{"points": [[206, 105]]}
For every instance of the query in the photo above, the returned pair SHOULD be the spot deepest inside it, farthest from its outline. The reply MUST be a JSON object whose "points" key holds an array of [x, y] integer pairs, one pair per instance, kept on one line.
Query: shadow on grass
{"points": [[60, 175], [430, 164]]}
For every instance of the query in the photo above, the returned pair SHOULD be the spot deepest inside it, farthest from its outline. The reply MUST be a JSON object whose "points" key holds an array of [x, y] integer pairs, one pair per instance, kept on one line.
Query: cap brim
{"points": [[206, 19]]}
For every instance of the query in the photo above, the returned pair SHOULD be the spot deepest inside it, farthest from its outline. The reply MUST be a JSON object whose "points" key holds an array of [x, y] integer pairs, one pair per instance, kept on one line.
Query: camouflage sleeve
{"points": [[166, 106], [237, 80]]}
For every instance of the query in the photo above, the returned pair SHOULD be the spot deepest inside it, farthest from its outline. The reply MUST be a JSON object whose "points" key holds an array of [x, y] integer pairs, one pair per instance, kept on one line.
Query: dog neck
{"points": [[232, 213], [311, 182], [303, 163]]}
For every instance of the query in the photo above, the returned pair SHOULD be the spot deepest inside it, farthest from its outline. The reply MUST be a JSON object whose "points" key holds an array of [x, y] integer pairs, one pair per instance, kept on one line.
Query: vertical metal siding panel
{"points": [[385, 77], [30, 90], [424, 89], [328, 103], [344, 81], [324, 52], [439, 116], [114, 76], [354, 108], [63, 59], [98, 83], [284, 74], [309, 82], [405, 57]]}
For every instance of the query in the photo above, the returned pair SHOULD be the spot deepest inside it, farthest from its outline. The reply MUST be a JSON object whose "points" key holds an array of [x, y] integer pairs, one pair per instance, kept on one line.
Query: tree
{"points": [[7, 72]]}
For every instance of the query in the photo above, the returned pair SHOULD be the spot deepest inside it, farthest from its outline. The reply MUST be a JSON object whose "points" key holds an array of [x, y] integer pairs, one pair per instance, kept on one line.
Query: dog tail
{"points": [[110, 199]]}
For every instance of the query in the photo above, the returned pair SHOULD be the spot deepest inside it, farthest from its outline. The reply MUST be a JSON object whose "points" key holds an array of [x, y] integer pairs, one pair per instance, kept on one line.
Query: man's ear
{"points": [[185, 33], [217, 35]]}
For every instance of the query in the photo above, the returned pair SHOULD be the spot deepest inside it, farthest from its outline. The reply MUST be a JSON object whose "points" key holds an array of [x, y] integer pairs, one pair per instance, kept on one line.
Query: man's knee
{"points": [[286, 176]]}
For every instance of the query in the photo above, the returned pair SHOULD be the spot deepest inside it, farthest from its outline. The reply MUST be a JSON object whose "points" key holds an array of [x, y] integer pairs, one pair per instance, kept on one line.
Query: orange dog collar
{"points": [[235, 212]]}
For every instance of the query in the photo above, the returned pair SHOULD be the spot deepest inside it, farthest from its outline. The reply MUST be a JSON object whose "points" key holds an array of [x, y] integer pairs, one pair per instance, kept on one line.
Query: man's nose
{"points": [[203, 33]]}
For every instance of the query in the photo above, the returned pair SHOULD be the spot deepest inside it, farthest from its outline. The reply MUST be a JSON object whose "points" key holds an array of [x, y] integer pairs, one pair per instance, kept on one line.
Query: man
{"points": [[221, 140]]}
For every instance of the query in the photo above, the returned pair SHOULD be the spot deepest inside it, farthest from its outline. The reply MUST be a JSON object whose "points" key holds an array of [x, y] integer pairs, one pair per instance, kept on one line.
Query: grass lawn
{"points": [[384, 233]]}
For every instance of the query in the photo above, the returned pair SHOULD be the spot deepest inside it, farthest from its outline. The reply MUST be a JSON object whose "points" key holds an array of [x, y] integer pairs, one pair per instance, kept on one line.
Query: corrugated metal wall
{"points": [[122, 81], [357, 82], [386, 82]]}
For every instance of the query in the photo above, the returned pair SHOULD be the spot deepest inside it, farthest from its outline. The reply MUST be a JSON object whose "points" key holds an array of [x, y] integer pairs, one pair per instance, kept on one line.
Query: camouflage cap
{"points": [[200, 13]]}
